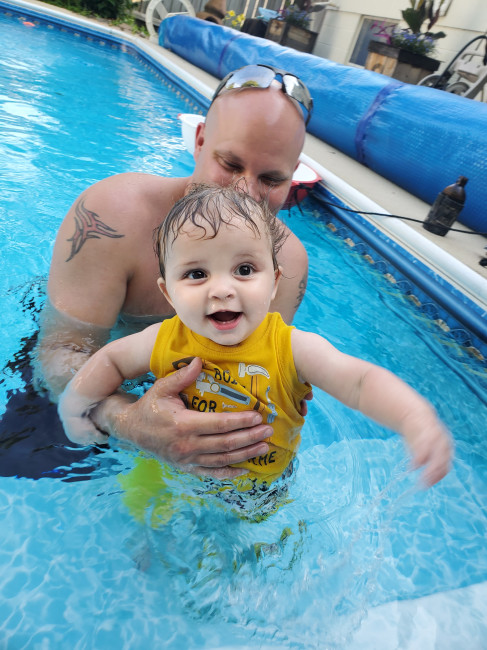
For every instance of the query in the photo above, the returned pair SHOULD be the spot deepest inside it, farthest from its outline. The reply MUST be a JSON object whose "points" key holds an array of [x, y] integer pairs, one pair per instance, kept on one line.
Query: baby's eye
{"points": [[195, 274], [244, 269]]}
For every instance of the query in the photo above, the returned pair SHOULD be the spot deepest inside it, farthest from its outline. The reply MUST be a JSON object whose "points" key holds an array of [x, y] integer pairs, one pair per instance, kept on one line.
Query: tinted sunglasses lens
{"points": [[252, 76], [298, 91], [260, 76]]}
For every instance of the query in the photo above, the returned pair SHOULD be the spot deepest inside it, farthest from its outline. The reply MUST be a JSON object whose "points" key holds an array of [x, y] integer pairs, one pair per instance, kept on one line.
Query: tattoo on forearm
{"points": [[302, 290], [88, 226]]}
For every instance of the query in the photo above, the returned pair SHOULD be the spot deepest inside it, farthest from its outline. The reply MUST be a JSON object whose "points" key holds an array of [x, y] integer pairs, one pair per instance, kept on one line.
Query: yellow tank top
{"points": [[257, 374]]}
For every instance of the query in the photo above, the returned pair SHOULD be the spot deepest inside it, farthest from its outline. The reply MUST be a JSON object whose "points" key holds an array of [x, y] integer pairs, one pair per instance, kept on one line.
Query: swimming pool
{"points": [[357, 550]]}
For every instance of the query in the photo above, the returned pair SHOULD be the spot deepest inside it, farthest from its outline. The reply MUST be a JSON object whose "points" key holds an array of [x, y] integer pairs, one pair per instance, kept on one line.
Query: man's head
{"points": [[255, 131], [217, 251]]}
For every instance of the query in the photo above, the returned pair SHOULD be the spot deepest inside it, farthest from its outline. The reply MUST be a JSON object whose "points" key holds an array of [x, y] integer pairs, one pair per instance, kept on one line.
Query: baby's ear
{"points": [[277, 279], [163, 289]]}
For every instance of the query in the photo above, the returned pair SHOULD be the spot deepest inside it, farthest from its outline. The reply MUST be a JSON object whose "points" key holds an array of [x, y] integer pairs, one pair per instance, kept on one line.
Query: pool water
{"points": [[356, 536]]}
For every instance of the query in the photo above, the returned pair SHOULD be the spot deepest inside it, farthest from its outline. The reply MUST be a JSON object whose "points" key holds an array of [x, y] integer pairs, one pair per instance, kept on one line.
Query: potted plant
{"points": [[404, 54], [291, 27]]}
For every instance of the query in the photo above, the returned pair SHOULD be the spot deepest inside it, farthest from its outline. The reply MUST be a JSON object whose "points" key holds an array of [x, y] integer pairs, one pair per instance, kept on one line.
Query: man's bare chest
{"points": [[143, 297]]}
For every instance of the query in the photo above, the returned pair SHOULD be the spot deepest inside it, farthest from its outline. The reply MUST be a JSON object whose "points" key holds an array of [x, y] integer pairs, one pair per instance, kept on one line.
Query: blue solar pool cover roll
{"points": [[420, 138]]}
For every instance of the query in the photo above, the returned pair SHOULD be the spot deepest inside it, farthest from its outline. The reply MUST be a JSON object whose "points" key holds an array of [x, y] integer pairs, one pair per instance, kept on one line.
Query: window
{"points": [[366, 34]]}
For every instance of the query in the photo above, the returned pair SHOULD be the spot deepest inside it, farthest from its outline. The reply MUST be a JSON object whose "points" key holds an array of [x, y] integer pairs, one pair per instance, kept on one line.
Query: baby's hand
{"points": [[82, 431], [431, 446], [73, 413]]}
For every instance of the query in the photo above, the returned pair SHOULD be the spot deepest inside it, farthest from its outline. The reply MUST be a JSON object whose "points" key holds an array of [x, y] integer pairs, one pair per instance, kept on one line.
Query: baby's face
{"points": [[221, 288]]}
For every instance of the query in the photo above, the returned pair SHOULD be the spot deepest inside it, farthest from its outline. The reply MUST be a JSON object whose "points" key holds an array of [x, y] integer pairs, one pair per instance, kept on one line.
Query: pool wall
{"points": [[420, 138]]}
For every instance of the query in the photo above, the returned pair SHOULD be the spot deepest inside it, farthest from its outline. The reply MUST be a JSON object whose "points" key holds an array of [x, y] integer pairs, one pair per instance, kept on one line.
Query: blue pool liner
{"points": [[420, 138]]}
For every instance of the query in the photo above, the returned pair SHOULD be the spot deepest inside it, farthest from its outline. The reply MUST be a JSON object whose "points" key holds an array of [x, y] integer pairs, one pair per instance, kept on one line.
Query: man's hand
{"points": [[203, 443]]}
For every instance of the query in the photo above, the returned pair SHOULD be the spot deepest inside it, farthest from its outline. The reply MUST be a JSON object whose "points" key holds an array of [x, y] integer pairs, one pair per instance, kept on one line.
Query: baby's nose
{"points": [[222, 288]]}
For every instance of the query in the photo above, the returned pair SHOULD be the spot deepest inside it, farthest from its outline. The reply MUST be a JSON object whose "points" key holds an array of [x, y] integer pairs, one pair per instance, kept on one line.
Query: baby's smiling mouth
{"points": [[224, 316], [225, 319]]}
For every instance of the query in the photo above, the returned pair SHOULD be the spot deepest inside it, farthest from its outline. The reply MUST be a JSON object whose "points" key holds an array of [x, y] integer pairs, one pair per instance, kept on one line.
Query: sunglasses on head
{"points": [[261, 76]]}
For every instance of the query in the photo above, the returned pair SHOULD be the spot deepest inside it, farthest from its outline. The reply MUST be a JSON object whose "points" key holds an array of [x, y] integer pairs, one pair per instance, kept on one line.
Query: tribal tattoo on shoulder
{"points": [[88, 226]]}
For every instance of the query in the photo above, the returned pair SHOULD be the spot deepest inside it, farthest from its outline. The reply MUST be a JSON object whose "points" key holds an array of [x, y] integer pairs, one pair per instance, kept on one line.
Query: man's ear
{"points": [[277, 279], [199, 139], [163, 289]]}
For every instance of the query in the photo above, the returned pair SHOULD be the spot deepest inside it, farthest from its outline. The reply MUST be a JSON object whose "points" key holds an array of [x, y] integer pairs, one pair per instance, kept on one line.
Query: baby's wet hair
{"points": [[207, 207]]}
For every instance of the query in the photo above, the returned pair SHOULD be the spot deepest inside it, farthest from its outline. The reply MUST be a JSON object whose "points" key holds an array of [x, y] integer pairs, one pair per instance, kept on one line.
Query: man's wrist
{"points": [[108, 414]]}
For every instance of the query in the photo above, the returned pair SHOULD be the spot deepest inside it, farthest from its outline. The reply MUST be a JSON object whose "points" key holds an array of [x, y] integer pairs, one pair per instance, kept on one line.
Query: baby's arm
{"points": [[100, 377], [380, 395]]}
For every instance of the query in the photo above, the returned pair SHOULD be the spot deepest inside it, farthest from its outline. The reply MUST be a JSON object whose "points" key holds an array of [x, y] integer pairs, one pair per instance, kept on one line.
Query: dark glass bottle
{"points": [[446, 208]]}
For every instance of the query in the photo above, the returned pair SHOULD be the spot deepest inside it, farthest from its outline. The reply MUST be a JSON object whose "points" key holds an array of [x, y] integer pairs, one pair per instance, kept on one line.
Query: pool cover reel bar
{"points": [[417, 137]]}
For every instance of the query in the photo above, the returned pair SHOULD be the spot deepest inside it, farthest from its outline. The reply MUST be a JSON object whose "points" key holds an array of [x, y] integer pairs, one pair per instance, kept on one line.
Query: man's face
{"points": [[252, 134], [221, 287]]}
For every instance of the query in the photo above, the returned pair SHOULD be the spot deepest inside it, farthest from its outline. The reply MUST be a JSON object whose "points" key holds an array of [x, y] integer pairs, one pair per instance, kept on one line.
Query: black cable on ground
{"points": [[323, 201]]}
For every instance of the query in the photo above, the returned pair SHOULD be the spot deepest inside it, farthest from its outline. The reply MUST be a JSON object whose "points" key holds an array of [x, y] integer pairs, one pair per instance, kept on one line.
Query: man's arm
{"points": [[64, 346], [293, 260], [93, 257], [87, 283]]}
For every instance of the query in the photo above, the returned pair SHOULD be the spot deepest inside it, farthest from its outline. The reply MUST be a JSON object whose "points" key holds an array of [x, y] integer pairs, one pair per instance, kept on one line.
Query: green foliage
{"points": [[415, 18], [111, 9], [421, 10], [107, 8]]}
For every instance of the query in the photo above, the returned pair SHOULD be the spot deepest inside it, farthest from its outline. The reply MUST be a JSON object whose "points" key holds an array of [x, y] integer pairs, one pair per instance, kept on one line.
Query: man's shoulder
{"points": [[123, 196], [136, 185]]}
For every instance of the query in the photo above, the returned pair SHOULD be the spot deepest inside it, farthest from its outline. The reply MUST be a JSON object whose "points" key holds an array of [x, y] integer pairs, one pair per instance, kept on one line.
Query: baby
{"points": [[217, 255]]}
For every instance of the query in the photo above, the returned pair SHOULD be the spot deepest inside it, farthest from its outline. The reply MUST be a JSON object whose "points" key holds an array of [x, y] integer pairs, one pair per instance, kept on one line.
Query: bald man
{"points": [[254, 133]]}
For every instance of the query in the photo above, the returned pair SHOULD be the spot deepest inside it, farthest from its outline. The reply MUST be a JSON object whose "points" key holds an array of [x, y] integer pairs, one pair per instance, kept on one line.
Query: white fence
{"points": [[246, 7]]}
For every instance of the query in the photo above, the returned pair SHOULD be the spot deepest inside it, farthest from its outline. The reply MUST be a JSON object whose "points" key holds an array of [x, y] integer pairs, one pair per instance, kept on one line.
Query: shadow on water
{"points": [[32, 440]]}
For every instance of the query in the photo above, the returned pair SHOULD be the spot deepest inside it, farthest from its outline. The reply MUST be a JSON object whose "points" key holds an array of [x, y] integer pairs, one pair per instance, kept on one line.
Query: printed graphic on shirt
{"points": [[216, 390]]}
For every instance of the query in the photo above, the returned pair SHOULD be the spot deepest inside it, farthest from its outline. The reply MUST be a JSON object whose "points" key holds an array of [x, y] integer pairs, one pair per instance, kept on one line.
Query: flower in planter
{"points": [[412, 38], [299, 12], [417, 43], [293, 15], [234, 20]]}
